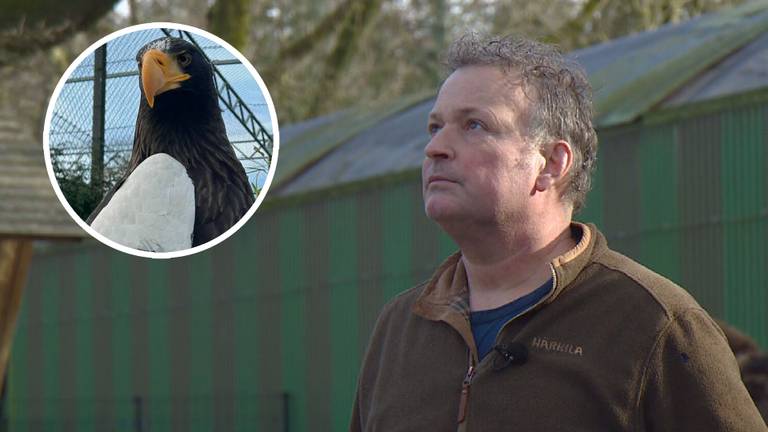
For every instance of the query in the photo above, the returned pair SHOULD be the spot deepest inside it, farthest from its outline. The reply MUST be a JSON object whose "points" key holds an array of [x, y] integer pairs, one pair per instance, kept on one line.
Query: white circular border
{"points": [[232, 229]]}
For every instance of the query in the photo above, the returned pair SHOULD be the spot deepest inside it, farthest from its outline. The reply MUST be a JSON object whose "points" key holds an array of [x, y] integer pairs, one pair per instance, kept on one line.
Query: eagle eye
{"points": [[184, 59]]}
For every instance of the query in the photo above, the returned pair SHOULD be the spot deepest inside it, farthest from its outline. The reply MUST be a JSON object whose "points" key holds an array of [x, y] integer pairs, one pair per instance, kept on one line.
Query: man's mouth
{"points": [[439, 179]]}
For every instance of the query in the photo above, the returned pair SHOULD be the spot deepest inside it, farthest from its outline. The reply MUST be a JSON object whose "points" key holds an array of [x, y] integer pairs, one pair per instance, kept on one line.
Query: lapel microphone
{"points": [[513, 354]]}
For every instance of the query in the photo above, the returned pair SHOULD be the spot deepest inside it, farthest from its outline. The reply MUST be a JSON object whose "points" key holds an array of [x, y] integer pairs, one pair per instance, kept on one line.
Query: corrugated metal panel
{"points": [[397, 239], [659, 229], [137, 300], [315, 142], [206, 318], [593, 211], [171, 344], [265, 287], [69, 378], [220, 355], [103, 354], [344, 290], [426, 238], [743, 71], [701, 210], [745, 218], [392, 145], [250, 322], [52, 390], [19, 383], [622, 208], [182, 300], [318, 337], [295, 309], [295, 132], [369, 251], [293, 249], [158, 388]]}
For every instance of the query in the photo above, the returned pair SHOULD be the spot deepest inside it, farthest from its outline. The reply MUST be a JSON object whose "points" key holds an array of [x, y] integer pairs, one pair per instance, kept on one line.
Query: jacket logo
{"points": [[553, 345]]}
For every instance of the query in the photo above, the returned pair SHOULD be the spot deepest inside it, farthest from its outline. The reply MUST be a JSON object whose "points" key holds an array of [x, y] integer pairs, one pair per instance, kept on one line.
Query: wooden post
{"points": [[138, 417], [15, 255]]}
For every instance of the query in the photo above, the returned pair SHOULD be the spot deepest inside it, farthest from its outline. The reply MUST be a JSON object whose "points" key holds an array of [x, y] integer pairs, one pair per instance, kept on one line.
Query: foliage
{"points": [[256, 189], [317, 57], [26, 27], [321, 56], [80, 195], [74, 182], [191, 12]]}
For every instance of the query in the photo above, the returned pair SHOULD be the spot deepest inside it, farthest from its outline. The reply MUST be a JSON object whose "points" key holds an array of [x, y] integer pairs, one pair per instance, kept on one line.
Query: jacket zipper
{"points": [[464, 400]]}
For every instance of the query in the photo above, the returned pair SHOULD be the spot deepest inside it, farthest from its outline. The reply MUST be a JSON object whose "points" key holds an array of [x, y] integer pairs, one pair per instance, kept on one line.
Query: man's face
{"points": [[479, 165]]}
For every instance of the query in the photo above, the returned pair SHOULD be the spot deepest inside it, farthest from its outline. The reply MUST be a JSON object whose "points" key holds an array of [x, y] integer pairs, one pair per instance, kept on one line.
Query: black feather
{"points": [[186, 123]]}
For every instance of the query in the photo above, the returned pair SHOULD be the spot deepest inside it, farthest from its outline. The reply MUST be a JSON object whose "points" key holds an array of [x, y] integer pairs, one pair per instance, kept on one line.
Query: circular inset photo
{"points": [[161, 140]]}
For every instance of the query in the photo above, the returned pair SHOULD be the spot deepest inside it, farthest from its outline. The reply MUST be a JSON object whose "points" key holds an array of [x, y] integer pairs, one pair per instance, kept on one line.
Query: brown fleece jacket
{"points": [[612, 347], [753, 365]]}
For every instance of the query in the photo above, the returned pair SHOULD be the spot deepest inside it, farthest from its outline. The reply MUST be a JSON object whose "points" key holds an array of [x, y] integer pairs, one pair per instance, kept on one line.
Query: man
{"points": [[535, 325]]}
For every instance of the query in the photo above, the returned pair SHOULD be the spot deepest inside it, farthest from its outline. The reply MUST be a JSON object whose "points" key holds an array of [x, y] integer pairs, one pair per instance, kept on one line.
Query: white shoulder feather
{"points": [[153, 210]]}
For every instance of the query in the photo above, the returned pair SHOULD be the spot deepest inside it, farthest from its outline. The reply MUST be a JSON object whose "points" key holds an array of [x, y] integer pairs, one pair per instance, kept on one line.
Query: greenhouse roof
{"points": [[710, 56]]}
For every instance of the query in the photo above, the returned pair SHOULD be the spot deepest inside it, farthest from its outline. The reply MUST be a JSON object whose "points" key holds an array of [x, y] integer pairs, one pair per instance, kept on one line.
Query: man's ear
{"points": [[559, 158]]}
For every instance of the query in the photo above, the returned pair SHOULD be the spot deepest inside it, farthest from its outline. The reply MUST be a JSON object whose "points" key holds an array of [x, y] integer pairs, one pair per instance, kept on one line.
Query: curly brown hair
{"points": [[560, 95]]}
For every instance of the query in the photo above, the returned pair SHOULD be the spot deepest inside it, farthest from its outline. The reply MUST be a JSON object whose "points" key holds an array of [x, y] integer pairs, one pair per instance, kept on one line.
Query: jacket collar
{"points": [[446, 296]]}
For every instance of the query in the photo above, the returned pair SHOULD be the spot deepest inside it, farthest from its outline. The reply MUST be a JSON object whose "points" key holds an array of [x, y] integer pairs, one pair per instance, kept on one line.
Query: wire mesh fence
{"points": [[73, 129]]}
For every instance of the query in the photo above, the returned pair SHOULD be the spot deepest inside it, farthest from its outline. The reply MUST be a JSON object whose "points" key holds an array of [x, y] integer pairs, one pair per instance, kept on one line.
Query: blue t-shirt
{"points": [[486, 324]]}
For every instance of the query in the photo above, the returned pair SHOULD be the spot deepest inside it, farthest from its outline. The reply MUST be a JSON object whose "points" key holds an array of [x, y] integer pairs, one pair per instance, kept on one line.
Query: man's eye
{"points": [[433, 129], [474, 124]]}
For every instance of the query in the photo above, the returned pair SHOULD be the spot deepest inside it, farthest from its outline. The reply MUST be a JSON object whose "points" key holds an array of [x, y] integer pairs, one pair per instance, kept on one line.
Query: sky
{"points": [[122, 8]]}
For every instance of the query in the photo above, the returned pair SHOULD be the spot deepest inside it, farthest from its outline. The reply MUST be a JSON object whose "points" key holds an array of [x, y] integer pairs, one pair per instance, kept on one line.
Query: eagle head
{"points": [[175, 77]]}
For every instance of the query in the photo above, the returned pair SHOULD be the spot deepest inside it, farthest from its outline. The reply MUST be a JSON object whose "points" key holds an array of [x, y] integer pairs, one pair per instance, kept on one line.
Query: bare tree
{"points": [[229, 19]]}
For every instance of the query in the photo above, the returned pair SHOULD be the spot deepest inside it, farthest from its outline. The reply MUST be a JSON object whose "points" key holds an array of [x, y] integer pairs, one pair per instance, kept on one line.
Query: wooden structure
{"points": [[29, 210]]}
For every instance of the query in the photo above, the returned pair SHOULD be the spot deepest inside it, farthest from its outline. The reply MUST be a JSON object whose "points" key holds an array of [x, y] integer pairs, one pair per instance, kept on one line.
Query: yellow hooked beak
{"points": [[159, 73]]}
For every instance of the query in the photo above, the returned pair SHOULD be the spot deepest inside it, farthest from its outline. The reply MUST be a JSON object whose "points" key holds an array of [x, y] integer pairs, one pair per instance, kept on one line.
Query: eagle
{"points": [[183, 185]]}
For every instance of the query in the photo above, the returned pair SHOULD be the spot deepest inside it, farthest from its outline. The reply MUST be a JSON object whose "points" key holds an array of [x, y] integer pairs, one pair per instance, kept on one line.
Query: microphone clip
{"points": [[513, 354]]}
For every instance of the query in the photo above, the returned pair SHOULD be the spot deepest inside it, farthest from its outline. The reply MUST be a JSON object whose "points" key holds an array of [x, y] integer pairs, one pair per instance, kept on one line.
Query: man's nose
{"points": [[440, 145]]}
